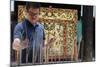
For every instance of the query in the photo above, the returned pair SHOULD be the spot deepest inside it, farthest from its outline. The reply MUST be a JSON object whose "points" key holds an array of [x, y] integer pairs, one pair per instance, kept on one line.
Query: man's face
{"points": [[32, 15]]}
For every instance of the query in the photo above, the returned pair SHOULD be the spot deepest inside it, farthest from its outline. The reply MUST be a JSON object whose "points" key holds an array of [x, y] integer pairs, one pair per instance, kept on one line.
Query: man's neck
{"points": [[30, 24]]}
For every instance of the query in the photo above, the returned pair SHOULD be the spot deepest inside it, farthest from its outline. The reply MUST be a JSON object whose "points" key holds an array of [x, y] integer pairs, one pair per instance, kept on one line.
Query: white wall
{"points": [[5, 33]]}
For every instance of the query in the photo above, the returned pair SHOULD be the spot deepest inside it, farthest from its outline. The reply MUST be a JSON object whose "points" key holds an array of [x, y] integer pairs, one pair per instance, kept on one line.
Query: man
{"points": [[29, 36]]}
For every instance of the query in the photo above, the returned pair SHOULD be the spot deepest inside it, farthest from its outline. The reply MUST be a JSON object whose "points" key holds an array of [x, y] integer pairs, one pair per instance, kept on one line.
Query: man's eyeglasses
{"points": [[33, 14]]}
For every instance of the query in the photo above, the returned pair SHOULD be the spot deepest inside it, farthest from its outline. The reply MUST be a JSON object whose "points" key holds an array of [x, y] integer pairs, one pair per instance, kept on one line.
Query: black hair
{"points": [[32, 4]]}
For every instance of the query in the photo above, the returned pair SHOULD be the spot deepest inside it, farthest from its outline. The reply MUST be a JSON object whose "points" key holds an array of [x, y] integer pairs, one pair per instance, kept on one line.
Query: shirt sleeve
{"points": [[18, 31]]}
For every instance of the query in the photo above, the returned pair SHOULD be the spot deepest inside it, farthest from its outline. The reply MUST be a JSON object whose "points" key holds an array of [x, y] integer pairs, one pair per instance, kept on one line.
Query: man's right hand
{"points": [[16, 44]]}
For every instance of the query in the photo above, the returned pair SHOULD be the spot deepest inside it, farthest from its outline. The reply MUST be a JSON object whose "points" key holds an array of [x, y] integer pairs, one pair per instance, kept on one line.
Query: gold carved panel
{"points": [[60, 24], [58, 14]]}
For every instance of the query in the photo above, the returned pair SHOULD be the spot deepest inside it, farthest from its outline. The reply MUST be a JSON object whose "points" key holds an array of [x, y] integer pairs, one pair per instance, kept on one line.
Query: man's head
{"points": [[32, 9]]}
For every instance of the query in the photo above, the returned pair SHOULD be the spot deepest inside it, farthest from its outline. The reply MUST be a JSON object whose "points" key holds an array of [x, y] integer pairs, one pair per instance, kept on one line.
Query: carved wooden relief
{"points": [[60, 24]]}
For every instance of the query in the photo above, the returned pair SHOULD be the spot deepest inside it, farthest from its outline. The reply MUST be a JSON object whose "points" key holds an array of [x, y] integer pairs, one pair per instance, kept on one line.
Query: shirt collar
{"points": [[28, 23]]}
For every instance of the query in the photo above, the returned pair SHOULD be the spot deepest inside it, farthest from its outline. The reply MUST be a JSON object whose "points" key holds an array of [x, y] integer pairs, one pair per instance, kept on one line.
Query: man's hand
{"points": [[52, 40], [24, 44], [16, 44]]}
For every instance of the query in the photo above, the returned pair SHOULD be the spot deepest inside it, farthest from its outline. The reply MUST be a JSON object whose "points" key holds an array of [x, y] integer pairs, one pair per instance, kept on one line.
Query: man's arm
{"points": [[17, 37]]}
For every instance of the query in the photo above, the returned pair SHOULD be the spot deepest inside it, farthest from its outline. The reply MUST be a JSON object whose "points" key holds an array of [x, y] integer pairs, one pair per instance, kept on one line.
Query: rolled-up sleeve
{"points": [[18, 31]]}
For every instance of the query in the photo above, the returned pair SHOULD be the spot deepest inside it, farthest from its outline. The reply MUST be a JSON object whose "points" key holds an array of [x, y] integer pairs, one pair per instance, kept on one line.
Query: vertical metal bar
{"points": [[27, 55], [40, 53], [17, 58], [33, 57], [45, 52]]}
